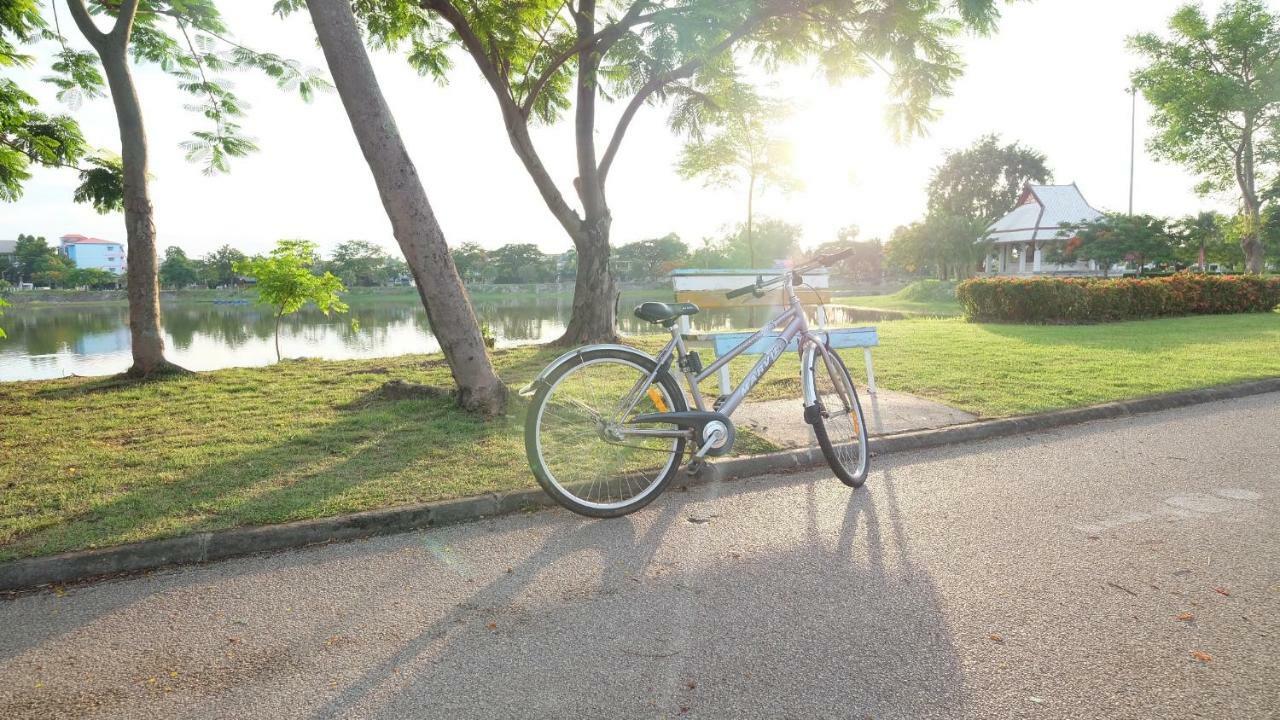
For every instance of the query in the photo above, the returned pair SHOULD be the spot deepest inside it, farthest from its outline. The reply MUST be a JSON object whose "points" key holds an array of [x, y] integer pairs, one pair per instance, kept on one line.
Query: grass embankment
{"points": [[89, 464], [923, 297]]}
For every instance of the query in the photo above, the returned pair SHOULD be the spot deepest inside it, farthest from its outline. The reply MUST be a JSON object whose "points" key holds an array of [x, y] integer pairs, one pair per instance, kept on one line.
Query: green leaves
{"points": [[285, 279], [78, 78], [1214, 86], [28, 136], [984, 180], [102, 184]]}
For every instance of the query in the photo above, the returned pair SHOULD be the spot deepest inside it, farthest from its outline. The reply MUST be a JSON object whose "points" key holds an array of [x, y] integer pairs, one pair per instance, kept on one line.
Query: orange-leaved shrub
{"points": [[1092, 300]]}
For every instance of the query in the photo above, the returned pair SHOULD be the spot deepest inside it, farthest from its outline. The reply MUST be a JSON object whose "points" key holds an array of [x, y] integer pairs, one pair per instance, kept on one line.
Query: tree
{"points": [[545, 58], [3, 305], [743, 148], [360, 263], [35, 261], [90, 278], [286, 282], [472, 262], [520, 263], [413, 222], [219, 266], [1116, 237], [865, 264], [1214, 87], [178, 37], [27, 136], [1202, 239], [649, 259], [941, 245], [984, 180], [178, 270]]}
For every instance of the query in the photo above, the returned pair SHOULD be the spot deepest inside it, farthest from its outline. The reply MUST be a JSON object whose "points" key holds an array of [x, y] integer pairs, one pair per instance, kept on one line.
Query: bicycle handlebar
{"points": [[825, 260]]}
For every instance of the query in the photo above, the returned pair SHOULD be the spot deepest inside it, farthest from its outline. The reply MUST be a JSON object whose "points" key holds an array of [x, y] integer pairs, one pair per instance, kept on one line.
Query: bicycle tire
{"points": [[535, 452], [831, 446]]}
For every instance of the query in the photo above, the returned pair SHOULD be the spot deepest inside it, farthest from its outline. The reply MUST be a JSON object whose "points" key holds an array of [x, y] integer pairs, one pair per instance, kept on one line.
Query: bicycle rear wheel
{"points": [[572, 437], [837, 420]]}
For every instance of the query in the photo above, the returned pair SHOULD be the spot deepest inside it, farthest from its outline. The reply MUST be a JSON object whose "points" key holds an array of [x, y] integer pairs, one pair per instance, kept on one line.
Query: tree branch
{"points": [[517, 128], [85, 23], [661, 80], [600, 41], [124, 22]]}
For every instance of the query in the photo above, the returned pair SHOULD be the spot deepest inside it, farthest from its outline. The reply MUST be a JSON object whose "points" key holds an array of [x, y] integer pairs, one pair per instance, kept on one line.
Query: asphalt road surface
{"points": [[1121, 569]]}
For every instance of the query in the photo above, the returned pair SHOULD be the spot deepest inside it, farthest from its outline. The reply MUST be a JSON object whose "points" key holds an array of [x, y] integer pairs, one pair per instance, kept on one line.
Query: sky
{"points": [[1053, 77]]}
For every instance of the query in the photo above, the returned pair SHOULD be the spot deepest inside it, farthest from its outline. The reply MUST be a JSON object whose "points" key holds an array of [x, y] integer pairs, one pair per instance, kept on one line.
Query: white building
{"points": [[1041, 220], [87, 252]]}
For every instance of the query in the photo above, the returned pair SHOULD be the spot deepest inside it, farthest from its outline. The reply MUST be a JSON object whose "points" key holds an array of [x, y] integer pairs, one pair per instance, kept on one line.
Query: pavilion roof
{"points": [[1040, 214]]}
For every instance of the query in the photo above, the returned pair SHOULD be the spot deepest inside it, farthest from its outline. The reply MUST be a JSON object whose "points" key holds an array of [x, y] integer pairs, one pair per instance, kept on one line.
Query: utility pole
{"points": [[1133, 140]]}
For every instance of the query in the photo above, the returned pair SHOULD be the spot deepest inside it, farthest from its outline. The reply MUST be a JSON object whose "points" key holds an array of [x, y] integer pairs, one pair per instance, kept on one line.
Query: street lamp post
{"points": [[1133, 140]]}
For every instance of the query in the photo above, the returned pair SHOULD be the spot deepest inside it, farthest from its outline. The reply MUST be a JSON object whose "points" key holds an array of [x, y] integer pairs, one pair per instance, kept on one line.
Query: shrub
{"points": [[1089, 300]]}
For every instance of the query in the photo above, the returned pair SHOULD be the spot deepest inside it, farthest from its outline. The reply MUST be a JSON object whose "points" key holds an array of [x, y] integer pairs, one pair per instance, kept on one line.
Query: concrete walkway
{"points": [[782, 421]]}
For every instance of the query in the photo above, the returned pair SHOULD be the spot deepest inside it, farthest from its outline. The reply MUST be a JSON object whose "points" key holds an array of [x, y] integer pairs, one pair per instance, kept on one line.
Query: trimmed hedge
{"points": [[1091, 300]]}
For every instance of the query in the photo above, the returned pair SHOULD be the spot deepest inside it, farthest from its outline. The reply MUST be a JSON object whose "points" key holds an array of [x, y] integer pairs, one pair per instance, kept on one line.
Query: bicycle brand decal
{"points": [[765, 363]]}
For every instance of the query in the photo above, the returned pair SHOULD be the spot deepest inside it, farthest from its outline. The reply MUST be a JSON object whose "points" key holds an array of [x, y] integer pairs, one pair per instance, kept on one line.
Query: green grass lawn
{"points": [[88, 463], [926, 297]]}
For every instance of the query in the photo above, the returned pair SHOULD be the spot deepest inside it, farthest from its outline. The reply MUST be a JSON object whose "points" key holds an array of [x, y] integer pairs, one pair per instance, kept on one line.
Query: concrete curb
{"points": [[236, 542]]}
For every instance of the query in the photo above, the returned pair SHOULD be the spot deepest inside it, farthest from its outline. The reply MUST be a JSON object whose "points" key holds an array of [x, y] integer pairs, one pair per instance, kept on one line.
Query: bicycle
{"points": [[608, 424]]}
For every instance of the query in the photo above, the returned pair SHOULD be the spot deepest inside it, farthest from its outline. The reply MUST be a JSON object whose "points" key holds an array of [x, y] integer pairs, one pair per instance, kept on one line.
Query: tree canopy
{"points": [[547, 59], [286, 282], [27, 135], [983, 181], [1115, 238], [1214, 86]]}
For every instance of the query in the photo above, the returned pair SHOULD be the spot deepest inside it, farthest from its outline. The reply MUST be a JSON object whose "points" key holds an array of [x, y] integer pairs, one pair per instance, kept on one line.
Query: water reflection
{"points": [[54, 341]]}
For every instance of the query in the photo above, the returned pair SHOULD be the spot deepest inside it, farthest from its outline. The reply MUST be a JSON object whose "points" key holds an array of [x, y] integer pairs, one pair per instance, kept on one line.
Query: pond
{"points": [[57, 340]]}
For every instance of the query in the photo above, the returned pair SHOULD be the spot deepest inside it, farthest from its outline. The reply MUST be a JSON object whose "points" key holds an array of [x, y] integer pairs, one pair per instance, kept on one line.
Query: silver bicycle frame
{"points": [[797, 326]]}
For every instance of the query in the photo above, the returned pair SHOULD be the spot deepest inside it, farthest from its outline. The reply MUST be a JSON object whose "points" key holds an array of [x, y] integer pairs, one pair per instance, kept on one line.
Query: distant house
{"points": [[1040, 221], [87, 252]]}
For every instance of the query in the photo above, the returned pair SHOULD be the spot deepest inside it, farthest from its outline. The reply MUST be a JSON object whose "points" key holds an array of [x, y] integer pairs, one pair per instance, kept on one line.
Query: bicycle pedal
{"points": [[695, 467], [719, 402]]}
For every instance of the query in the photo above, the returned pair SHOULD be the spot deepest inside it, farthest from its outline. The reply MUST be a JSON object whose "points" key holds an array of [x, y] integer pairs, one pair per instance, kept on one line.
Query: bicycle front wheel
{"points": [[576, 440], [837, 418]]}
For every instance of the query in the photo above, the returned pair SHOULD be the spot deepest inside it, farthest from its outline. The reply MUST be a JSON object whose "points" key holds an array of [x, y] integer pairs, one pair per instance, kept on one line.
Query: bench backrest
{"points": [[840, 338]]}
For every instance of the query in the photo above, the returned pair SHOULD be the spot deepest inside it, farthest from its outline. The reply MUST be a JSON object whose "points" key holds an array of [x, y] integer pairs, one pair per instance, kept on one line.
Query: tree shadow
{"points": [[840, 613], [290, 480]]}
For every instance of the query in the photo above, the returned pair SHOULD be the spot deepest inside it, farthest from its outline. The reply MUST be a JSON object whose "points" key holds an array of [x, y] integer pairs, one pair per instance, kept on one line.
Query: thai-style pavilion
{"points": [[1042, 219]]}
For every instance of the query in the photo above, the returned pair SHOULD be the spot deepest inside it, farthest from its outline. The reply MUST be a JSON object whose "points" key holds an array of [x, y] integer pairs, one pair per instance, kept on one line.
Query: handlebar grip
{"points": [[747, 289]]}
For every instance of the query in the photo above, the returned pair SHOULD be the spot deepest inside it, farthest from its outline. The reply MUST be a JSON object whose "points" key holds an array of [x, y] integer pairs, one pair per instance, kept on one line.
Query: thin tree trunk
{"points": [[412, 220], [146, 334], [278, 314], [751, 197], [595, 295], [1249, 241]]}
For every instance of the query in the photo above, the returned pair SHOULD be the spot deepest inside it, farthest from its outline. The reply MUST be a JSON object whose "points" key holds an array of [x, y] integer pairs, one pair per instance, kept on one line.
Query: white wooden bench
{"points": [[721, 343]]}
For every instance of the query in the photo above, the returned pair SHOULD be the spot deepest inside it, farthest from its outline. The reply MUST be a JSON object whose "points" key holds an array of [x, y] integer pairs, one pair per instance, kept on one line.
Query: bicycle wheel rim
{"points": [[588, 470]]}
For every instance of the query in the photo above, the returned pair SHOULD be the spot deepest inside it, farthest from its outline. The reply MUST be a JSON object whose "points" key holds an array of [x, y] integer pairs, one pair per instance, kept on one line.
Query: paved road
{"points": [[1062, 575]]}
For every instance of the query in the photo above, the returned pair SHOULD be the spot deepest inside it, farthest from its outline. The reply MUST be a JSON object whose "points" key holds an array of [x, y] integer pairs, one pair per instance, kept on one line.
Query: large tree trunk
{"points": [[146, 335], [595, 295], [412, 221]]}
